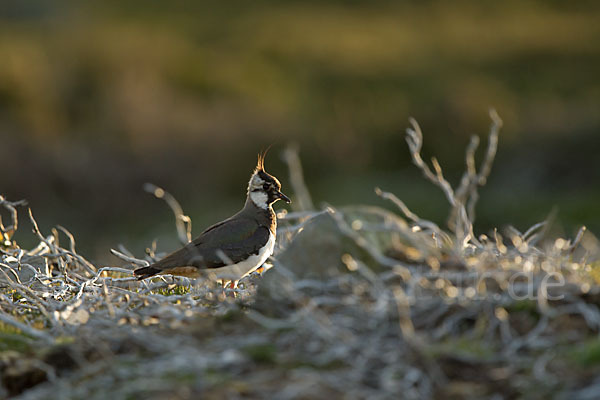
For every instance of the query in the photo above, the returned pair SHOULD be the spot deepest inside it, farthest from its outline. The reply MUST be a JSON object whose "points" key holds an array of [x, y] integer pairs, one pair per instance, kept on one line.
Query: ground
{"points": [[360, 303]]}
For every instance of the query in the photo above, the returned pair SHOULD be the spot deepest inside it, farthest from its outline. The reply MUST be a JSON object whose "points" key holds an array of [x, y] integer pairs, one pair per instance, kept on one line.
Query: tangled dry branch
{"points": [[390, 304]]}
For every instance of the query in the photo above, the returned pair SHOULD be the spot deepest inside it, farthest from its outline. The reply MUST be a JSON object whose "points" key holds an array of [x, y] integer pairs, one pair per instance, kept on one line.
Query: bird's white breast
{"points": [[237, 271]]}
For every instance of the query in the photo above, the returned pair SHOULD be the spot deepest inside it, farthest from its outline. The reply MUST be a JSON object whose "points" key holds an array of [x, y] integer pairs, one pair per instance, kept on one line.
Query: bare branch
{"points": [[9, 230], [303, 201], [129, 259], [182, 221]]}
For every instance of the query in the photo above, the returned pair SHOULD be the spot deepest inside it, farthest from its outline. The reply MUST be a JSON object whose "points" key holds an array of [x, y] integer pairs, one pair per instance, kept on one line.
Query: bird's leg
{"points": [[230, 288]]}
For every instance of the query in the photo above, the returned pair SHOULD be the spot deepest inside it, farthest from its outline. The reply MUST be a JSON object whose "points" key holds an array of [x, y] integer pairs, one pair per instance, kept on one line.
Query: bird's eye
{"points": [[267, 186]]}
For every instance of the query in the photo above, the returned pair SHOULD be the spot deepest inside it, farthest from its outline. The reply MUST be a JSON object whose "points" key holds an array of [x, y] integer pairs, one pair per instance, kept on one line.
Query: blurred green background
{"points": [[98, 98]]}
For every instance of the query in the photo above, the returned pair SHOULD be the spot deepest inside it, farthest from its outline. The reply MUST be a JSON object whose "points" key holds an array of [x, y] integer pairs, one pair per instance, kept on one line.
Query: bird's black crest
{"points": [[260, 165]]}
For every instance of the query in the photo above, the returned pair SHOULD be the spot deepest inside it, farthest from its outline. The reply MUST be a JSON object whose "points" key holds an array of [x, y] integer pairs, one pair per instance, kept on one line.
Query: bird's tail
{"points": [[145, 272]]}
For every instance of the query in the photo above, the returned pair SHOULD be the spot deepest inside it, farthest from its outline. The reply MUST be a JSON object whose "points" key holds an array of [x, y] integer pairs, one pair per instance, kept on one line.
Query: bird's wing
{"points": [[226, 243]]}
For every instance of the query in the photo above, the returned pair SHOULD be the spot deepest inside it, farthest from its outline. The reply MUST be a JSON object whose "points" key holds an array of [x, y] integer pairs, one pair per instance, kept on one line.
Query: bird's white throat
{"points": [[260, 199]]}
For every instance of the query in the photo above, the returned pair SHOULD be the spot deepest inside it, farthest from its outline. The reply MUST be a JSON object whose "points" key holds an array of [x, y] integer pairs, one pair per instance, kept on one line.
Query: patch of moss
{"points": [[8, 329], [328, 366], [64, 340], [595, 271], [529, 306], [16, 296], [468, 347], [214, 377], [14, 341], [588, 353], [172, 290], [230, 315], [263, 353], [182, 378]]}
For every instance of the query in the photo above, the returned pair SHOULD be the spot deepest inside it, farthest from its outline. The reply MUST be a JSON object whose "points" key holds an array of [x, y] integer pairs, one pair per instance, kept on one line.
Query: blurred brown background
{"points": [[96, 99]]}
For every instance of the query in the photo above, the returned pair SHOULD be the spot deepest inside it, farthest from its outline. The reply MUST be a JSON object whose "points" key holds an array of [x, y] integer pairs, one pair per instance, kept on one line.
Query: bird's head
{"points": [[264, 189]]}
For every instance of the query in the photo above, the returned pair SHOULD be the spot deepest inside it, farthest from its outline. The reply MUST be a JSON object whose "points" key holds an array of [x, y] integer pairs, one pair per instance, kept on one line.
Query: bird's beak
{"points": [[282, 197]]}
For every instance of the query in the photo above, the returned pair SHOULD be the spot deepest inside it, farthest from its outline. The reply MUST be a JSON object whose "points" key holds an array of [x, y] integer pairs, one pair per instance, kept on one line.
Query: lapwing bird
{"points": [[235, 247]]}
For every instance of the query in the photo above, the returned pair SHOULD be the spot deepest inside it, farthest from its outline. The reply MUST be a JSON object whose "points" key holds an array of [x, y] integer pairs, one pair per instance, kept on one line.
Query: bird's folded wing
{"points": [[224, 244]]}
